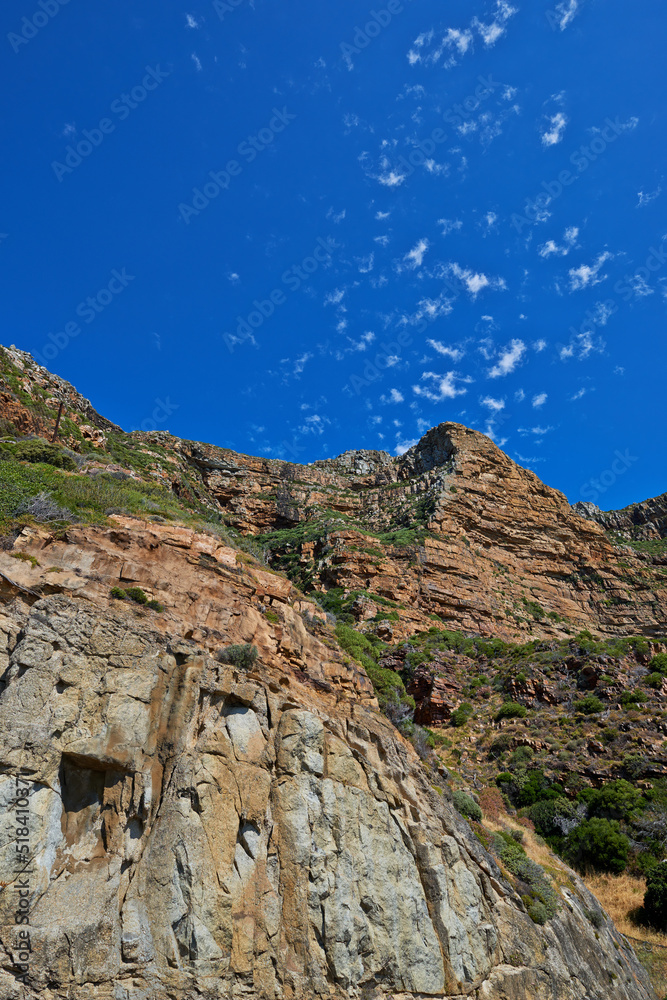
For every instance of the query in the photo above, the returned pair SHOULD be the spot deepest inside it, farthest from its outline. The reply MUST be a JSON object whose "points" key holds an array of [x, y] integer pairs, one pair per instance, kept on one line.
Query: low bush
{"points": [[244, 657], [655, 897], [511, 710], [597, 845], [461, 715], [590, 705], [630, 698], [466, 805], [659, 663]]}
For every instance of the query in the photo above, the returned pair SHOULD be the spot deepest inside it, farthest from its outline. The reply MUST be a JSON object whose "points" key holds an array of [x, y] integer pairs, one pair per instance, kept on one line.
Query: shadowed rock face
{"points": [[199, 831]]}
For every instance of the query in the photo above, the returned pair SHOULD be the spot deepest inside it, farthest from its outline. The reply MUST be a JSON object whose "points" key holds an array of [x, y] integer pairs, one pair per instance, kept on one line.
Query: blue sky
{"points": [[294, 230]]}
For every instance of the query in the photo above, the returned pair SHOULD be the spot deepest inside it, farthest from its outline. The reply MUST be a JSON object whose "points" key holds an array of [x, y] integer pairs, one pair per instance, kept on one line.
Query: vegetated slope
{"points": [[456, 581]]}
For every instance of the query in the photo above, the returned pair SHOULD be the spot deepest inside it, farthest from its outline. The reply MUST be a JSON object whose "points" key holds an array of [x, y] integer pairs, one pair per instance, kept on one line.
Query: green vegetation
{"points": [[461, 715], [538, 894], [466, 805], [511, 710], [137, 595], [630, 698], [243, 657], [36, 450], [590, 705], [41, 491], [597, 845], [655, 898]]}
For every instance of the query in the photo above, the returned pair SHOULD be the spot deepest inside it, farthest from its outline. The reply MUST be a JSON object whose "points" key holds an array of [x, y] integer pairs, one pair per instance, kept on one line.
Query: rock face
{"points": [[196, 831]]}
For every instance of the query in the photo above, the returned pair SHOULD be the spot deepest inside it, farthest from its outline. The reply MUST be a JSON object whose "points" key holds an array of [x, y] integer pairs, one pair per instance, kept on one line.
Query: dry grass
{"points": [[621, 896]]}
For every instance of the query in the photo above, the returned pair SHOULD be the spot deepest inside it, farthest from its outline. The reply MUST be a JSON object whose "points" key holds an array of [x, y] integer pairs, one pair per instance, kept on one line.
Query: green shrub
{"points": [[137, 595], [655, 897], [244, 657], [590, 705], [155, 606], [466, 805], [598, 845], [461, 715], [538, 912], [118, 593], [654, 680], [659, 663], [615, 800], [511, 710], [39, 450], [630, 698], [546, 813]]}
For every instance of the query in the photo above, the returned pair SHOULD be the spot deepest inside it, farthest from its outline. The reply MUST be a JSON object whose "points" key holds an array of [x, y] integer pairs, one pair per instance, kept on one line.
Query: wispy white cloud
{"points": [[555, 129], [414, 258], [589, 274], [314, 424], [403, 446], [440, 387], [449, 225], [191, 21], [391, 178], [509, 359], [196, 60], [539, 400], [566, 12], [581, 347], [336, 217], [578, 395], [382, 215], [394, 397], [495, 405], [452, 44], [646, 197], [474, 282], [427, 309], [455, 353], [551, 248]]}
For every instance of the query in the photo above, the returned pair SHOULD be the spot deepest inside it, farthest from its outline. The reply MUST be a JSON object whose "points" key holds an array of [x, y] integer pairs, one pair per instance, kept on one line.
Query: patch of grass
{"points": [[25, 557]]}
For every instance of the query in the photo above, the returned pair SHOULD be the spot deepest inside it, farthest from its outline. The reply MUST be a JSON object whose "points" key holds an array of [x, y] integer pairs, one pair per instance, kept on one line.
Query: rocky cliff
{"points": [[201, 795], [197, 830]]}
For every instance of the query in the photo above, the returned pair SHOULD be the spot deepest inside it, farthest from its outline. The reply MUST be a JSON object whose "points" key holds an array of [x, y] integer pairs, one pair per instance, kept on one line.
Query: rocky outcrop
{"points": [[644, 521], [198, 831]]}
